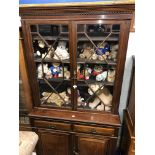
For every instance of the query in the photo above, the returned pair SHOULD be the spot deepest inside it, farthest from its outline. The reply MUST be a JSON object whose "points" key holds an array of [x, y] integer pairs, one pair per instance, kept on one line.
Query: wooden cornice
{"points": [[77, 10]]}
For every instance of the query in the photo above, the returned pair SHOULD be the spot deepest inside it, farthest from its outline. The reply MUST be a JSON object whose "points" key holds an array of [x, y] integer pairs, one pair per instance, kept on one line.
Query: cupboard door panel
{"points": [[87, 145], [53, 143]]}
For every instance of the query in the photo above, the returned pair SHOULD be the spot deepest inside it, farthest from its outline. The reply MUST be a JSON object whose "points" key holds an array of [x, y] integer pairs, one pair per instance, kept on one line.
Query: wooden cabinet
{"points": [[59, 143], [80, 136], [74, 138], [75, 60], [55, 143], [94, 146]]}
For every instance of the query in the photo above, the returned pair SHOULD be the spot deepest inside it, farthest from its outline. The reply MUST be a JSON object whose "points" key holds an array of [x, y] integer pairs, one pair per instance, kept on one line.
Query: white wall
{"points": [[126, 79], [127, 73]]}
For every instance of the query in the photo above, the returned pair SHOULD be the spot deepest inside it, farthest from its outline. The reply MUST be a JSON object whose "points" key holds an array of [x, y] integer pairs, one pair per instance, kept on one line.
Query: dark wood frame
{"points": [[119, 13]]}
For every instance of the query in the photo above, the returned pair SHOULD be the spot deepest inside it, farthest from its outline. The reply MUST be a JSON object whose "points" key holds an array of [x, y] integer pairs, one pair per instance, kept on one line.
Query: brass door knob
{"points": [[74, 86]]}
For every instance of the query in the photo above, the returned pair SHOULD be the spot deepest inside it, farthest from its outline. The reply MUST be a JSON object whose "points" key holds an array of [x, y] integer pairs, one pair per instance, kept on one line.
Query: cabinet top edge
{"points": [[77, 6], [73, 4], [76, 116]]}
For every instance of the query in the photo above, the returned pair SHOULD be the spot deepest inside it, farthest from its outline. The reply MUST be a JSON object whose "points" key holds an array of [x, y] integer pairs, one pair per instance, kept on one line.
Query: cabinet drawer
{"points": [[52, 125], [94, 130]]}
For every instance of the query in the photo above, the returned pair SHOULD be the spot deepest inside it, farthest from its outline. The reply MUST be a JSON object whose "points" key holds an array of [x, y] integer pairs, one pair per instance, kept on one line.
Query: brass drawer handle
{"points": [[93, 131], [52, 126]]}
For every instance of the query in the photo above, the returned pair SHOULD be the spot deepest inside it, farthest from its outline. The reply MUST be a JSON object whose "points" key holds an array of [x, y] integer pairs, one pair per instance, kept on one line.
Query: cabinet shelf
{"points": [[51, 60], [82, 82], [54, 80], [100, 33], [51, 38], [79, 60], [96, 38], [93, 38], [109, 62]]}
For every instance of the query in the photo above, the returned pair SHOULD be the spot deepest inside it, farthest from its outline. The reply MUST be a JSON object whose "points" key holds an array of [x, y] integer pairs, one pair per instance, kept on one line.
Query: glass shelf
{"points": [[87, 61], [51, 60]]}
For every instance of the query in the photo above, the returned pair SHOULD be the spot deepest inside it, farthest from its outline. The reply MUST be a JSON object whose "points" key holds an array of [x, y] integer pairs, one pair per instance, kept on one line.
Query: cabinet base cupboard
{"points": [[75, 58]]}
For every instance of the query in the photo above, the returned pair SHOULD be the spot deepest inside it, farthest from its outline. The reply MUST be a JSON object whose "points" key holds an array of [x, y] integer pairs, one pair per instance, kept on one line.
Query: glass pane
{"points": [[52, 58], [55, 94], [97, 48], [94, 97]]}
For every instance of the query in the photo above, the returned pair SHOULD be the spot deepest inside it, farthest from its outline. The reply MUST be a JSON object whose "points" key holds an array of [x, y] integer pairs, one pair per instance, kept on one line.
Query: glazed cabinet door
{"points": [[93, 146], [76, 64], [53, 143], [49, 55], [100, 56]]}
